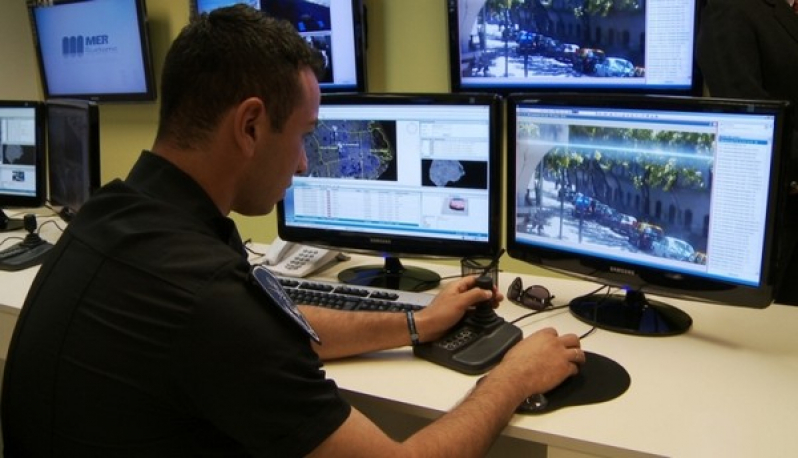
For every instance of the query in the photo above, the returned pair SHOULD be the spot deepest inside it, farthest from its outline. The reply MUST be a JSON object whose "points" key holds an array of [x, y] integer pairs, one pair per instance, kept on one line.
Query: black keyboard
{"points": [[335, 295], [20, 256]]}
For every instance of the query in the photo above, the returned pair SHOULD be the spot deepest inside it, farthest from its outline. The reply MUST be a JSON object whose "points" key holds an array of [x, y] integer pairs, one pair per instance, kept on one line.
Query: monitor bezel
{"points": [[91, 110], [150, 91], [456, 83], [635, 277], [360, 43], [392, 245], [10, 200]]}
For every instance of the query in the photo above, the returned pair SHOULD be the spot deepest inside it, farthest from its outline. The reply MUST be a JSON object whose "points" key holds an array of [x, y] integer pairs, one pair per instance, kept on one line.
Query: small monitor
{"points": [[676, 196], [22, 159], [73, 153], [626, 47], [336, 28], [93, 49], [400, 174]]}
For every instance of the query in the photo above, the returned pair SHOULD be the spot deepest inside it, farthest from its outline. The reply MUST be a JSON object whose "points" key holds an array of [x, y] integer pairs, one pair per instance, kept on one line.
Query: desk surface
{"points": [[724, 388]]}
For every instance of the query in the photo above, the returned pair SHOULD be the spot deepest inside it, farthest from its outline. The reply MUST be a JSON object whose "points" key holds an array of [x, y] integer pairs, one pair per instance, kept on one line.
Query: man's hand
{"points": [[450, 305]]}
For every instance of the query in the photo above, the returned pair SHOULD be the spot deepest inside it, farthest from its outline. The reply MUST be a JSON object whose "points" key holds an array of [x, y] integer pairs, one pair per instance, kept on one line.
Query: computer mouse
{"points": [[599, 379], [533, 404]]}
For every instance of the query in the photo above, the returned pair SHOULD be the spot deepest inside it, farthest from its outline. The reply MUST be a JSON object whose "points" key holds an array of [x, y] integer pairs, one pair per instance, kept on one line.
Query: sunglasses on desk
{"points": [[536, 297]]}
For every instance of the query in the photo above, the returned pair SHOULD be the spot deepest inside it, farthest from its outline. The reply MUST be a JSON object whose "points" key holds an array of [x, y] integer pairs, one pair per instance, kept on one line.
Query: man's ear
{"points": [[250, 120]]}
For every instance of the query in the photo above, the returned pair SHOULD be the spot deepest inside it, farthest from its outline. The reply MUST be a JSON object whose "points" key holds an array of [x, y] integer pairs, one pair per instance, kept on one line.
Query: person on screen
{"points": [[749, 49], [144, 334]]}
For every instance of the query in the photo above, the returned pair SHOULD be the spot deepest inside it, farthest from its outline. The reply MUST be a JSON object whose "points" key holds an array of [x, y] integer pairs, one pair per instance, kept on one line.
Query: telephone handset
{"points": [[296, 260], [477, 343]]}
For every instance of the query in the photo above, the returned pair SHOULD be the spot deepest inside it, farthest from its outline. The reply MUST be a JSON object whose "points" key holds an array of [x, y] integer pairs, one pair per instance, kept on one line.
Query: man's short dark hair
{"points": [[222, 58]]}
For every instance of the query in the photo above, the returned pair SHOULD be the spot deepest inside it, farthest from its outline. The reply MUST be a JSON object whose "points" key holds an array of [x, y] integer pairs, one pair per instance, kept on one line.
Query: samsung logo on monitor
{"points": [[619, 270], [78, 45], [380, 240]]}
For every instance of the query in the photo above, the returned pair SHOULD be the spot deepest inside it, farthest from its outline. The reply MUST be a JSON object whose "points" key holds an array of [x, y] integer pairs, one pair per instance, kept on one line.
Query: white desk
{"points": [[726, 388], [14, 285]]}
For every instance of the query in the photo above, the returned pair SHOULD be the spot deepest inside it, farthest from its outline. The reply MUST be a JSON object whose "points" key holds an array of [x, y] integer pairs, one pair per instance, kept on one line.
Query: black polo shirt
{"points": [[143, 336]]}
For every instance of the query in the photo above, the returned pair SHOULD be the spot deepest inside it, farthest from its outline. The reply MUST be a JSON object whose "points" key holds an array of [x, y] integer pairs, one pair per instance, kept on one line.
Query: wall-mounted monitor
{"points": [[73, 153], [400, 174], [334, 27], [643, 46], [675, 196], [22, 159], [93, 49]]}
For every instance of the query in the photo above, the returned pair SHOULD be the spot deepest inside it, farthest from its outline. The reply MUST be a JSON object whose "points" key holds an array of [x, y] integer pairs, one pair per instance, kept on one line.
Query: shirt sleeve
{"points": [[251, 371]]}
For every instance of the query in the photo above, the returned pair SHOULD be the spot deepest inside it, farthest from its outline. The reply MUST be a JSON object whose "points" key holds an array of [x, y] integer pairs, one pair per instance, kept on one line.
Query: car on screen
{"points": [[614, 67], [673, 248]]}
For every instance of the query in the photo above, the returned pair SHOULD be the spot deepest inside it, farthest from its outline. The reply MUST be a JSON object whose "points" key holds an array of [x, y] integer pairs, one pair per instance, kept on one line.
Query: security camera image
{"points": [[633, 190]]}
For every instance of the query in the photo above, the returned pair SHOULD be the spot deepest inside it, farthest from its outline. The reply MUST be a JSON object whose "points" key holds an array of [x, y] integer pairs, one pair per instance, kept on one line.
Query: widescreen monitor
{"points": [[400, 175], [336, 28], [643, 46], [93, 49], [22, 159], [73, 153], [676, 196]]}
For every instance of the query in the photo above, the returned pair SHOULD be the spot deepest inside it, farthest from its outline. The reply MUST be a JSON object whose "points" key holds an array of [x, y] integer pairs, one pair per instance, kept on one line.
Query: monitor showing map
{"points": [[400, 174]]}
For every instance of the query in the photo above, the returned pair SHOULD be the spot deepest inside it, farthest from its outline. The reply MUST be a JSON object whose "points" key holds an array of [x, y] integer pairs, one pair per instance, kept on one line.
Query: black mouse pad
{"points": [[599, 379]]}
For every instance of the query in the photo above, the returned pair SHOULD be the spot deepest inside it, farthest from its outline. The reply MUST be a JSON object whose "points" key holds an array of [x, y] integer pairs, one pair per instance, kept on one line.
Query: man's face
{"points": [[281, 155]]}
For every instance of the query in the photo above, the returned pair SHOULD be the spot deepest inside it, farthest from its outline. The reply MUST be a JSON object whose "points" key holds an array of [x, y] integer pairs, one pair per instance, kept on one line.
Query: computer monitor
{"points": [[93, 49], [677, 196], [334, 27], [400, 174], [22, 161], [73, 153], [628, 47]]}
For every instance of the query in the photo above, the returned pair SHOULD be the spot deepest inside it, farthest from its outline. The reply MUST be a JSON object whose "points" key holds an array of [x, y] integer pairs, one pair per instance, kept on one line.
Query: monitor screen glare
{"points": [[631, 46], [73, 153], [676, 199], [333, 27]]}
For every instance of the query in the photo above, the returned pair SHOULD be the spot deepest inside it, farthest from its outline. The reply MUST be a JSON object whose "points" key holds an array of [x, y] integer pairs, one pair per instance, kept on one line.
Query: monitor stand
{"points": [[391, 275], [631, 313], [10, 224]]}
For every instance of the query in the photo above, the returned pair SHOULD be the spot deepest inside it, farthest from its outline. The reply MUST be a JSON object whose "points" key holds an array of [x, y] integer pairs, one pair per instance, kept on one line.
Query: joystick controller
{"points": [[32, 239], [476, 343]]}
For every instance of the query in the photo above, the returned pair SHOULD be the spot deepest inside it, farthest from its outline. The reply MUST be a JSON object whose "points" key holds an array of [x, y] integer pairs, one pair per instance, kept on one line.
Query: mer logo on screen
{"points": [[77, 45]]}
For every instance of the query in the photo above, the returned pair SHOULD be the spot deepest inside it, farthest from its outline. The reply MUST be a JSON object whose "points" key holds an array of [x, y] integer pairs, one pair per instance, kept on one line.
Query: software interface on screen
{"points": [[642, 46], [677, 191], [18, 148], [91, 47], [407, 170], [327, 25]]}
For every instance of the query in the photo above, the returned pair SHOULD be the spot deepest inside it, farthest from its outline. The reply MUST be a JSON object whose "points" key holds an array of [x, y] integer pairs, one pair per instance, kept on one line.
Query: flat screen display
{"points": [[22, 158], [643, 46], [400, 174], [93, 49], [73, 153], [334, 27], [675, 195]]}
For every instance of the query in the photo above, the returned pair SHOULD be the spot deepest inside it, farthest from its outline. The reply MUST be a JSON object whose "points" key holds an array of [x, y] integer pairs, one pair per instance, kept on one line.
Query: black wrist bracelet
{"points": [[411, 326]]}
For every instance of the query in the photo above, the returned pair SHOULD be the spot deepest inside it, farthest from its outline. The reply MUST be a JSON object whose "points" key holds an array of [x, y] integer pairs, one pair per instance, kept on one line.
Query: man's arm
{"points": [[347, 333], [537, 364]]}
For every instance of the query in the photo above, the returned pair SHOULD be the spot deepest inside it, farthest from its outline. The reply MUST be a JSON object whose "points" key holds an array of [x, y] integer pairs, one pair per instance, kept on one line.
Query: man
{"points": [[143, 335], [749, 49]]}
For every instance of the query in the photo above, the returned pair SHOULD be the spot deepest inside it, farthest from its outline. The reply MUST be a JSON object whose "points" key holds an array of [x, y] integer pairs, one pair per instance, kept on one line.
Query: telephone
{"points": [[477, 343], [295, 260]]}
